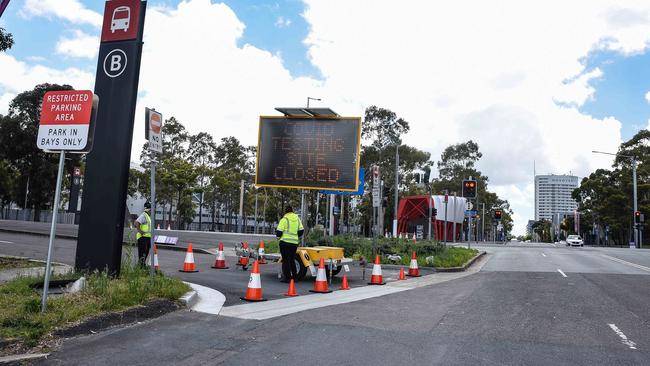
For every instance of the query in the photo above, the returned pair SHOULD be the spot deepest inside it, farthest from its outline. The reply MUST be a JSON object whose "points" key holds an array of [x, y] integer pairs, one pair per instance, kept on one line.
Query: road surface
{"points": [[530, 304]]}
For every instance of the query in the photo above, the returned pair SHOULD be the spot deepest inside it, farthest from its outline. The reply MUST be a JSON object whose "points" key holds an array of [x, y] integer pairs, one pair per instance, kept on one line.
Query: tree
{"points": [[201, 152], [383, 127], [6, 40]]}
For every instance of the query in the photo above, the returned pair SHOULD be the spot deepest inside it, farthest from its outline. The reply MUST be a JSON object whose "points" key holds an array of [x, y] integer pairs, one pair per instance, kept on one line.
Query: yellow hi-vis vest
{"points": [[289, 225], [145, 227]]}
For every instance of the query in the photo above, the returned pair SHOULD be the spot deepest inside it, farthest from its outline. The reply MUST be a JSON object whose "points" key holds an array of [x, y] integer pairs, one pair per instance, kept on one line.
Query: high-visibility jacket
{"points": [[289, 225], [146, 228]]}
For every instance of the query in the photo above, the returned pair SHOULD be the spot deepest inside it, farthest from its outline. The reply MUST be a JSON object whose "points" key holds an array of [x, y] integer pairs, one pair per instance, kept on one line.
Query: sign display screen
{"points": [[311, 153]]}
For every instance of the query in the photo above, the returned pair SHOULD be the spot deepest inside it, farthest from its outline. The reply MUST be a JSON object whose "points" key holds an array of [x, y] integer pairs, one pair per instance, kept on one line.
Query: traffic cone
{"points": [[401, 274], [254, 290], [188, 265], [414, 271], [292, 289], [344, 284], [320, 285], [261, 253], [158, 227], [155, 258], [376, 278], [220, 262]]}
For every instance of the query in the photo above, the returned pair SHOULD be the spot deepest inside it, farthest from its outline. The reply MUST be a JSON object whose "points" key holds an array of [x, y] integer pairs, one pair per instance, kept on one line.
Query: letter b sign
{"points": [[115, 63]]}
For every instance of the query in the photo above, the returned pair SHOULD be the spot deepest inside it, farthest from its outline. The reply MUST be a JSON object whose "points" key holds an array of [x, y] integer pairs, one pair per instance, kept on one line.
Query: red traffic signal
{"points": [[637, 217], [497, 215], [469, 188]]}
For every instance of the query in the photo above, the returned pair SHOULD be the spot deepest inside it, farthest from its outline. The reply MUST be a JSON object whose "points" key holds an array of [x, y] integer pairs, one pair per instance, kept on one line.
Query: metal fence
{"points": [[29, 215]]}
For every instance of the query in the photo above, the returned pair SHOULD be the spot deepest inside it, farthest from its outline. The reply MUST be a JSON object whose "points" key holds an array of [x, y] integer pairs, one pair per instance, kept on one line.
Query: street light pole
{"points": [[637, 244], [396, 190]]}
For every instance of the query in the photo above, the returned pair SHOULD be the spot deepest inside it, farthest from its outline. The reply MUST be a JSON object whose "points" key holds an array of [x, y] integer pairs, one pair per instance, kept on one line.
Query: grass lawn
{"points": [[20, 305], [454, 257], [12, 263]]}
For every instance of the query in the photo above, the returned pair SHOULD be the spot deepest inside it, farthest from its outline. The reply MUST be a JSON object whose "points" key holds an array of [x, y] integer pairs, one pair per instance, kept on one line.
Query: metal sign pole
{"points": [[153, 217], [48, 264]]}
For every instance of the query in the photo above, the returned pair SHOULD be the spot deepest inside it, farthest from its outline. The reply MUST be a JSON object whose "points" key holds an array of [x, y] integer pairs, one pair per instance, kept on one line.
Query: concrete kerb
{"points": [[21, 359], [203, 299], [463, 267]]}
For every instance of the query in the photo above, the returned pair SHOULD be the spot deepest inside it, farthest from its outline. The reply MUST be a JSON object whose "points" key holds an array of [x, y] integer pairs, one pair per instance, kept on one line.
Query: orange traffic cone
{"points": [[155, 258], [261, 253], [292, 289], [320, 285], [414, 271], [254, 290], [376, 278], [220, 262], [401, 274], [344, 284], [169, 227], [158, 227], [243, 260], [188, 265]]}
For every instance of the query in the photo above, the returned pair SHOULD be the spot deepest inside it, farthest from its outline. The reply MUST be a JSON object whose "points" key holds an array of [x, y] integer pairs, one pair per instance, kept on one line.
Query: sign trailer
{"points": [[67, 124]]}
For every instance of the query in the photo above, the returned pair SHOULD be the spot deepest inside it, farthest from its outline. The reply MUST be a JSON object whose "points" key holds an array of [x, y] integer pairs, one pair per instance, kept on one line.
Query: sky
{"points": [[533, 82]]}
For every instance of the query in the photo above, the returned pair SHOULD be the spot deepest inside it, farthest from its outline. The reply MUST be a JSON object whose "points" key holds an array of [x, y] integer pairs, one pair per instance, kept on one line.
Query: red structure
{"points": [[414, 210]]}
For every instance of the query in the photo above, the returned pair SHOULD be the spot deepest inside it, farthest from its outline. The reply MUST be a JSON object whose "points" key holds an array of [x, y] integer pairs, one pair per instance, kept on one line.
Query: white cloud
{"points": [[70, 10], [18, 76], [282, 22], [647, 97], [80, 45]]}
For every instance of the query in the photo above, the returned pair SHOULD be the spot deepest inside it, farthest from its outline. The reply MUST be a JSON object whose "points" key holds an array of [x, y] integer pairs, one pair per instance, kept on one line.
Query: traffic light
{"points": [[469, 188], [434, 212], [497, 214], [637, 217]]}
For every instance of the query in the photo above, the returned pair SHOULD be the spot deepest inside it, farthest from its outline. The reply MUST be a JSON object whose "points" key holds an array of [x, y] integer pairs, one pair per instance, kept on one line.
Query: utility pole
{"points": [[396, 190], [483, 223], [453, 240], [429, 200], [241, 206], [446, 203], [255, 210]]}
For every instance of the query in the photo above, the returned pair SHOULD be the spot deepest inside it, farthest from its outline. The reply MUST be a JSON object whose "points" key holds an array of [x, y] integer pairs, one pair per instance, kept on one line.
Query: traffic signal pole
{"points": [[637, 244]]}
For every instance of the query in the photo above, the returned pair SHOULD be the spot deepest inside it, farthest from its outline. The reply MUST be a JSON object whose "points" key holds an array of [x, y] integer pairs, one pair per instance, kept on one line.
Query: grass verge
{"points": [[356, 247], [22, 321], [13, 263]]}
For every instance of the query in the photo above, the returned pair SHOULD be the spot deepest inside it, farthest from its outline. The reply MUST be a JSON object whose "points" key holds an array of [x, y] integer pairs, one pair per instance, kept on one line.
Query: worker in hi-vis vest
{"points": [[289, 232], [143, 225]]}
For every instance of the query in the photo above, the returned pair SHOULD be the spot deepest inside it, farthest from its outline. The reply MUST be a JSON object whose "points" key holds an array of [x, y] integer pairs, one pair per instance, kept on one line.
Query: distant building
{"points": [[529, 227], [553, 195]]}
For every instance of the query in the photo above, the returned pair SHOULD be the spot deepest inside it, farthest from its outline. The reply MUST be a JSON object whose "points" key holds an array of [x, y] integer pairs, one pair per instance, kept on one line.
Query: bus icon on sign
{"points": [[120, 19]]}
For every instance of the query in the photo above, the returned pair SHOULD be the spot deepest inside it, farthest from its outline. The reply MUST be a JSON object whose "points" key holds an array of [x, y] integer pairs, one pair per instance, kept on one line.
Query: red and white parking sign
{"points": [[66, 118]]}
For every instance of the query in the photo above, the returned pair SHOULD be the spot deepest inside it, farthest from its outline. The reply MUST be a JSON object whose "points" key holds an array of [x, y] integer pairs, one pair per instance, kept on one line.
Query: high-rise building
{"points": [[553, 195]]}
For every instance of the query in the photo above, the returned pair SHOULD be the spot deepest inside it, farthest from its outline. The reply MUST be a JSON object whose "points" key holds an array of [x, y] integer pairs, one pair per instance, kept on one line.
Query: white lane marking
{"points": [[624, 338], [7, 242], [543, 255], [644, 268], [562, 273], [553, 244]]}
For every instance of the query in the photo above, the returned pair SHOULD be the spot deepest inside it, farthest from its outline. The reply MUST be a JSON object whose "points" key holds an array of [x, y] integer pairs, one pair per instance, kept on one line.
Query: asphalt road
{"points": [[530, 304]]}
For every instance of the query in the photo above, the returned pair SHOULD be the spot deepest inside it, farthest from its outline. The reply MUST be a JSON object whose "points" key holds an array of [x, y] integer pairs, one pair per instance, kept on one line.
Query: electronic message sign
{"points": [[311, 153]]}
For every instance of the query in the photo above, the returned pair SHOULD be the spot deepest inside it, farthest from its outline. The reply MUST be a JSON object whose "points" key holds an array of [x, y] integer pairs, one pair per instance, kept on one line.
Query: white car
{"points": [[574, 240]]}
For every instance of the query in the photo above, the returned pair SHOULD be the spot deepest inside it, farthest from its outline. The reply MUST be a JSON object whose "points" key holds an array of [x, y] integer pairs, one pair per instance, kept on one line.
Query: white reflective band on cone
{"points": [[376, 270], [321, 275], [414, 264], [261, 251], [220, 256], [189, 257], [254, 281]]}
